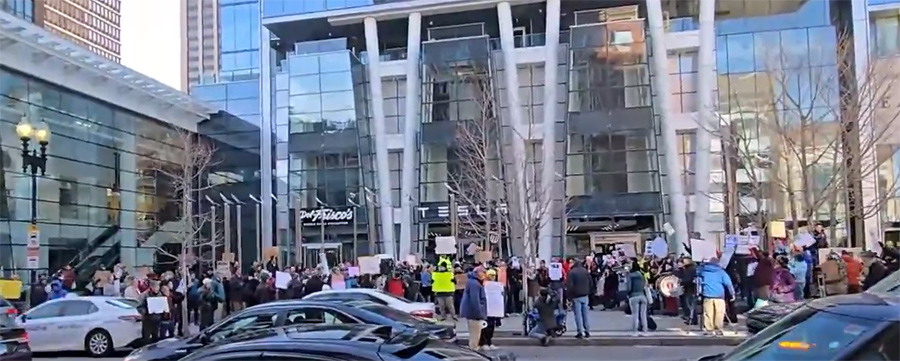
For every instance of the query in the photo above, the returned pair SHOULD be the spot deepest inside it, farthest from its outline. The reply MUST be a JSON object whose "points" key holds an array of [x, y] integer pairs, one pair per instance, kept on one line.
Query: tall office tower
{"points": [[200, 45], [93, 24]]}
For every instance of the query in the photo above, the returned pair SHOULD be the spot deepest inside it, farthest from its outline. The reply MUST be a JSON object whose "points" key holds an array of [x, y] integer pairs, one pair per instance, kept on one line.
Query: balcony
{"points": [[520, 41]]}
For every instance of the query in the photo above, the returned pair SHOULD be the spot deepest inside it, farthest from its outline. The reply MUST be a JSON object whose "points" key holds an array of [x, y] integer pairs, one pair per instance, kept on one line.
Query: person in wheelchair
{"points": [[546, 323]]}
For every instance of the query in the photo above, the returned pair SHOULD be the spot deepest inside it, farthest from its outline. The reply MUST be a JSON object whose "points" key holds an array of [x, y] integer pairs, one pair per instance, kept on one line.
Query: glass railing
{"points": [[682, 24], [520, 41]]}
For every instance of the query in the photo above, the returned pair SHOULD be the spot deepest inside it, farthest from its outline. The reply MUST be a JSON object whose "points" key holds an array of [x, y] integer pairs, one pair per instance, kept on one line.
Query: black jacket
{"points": [[877, 272], [579, 282]]}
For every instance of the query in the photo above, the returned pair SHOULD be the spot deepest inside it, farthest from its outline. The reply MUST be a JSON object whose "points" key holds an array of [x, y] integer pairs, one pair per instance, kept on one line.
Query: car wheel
{"points": [[98, 343]]}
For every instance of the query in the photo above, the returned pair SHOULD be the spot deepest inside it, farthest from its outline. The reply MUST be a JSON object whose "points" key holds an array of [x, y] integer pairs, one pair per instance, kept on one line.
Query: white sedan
{"points": [[423, 310], [96, 324]]}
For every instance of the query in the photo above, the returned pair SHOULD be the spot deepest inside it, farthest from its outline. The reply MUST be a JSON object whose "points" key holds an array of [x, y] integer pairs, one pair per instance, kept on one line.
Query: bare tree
{"points": [[477, 149], [806, 136], [185, 166]]}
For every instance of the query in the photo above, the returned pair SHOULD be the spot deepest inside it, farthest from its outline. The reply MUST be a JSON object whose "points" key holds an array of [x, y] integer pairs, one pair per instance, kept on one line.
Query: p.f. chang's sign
{"points": [[329, 216]]}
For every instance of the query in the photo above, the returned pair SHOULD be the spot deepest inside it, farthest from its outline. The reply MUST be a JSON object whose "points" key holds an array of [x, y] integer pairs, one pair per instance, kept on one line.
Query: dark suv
{"points": [[863, 326]]}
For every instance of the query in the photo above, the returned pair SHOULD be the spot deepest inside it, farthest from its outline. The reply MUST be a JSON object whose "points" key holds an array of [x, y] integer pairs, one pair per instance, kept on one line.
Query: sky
{"points": [[151, 39]]}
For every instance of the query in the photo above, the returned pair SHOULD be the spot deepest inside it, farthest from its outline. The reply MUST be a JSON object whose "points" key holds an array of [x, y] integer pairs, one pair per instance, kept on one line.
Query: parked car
{"points": [[862, 326], [13, 338], [423, 310], [760, 318], [96, 324], [291, 312], [338, 342]]}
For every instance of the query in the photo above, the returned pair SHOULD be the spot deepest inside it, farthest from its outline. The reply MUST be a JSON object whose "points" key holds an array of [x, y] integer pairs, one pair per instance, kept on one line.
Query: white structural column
{"points": [[382, 168], [517, 138], [870, 196], [706, 116], [548, 172], [265, 137], [660, 64], [410, 127]]}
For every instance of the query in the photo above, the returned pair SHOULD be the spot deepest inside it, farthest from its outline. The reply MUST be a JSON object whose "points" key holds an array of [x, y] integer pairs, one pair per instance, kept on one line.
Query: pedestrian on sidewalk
{"points": [[637, 298], [473, 306], [444, 290], [579, 285], [714, 283]]}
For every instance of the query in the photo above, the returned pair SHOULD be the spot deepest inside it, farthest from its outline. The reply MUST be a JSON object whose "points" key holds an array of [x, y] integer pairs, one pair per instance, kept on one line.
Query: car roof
{"points": [[281, 304], [357, 335], [877, 307]]}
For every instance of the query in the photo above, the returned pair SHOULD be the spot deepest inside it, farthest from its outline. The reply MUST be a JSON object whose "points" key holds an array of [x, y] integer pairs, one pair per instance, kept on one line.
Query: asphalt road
{"points": [[612, 353]]}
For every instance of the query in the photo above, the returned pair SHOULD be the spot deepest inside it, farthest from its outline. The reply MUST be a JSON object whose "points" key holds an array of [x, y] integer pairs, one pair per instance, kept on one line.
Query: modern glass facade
{"points": [[320, 101], [239, 39], [779, 76], [273, 8], [94, 204]]}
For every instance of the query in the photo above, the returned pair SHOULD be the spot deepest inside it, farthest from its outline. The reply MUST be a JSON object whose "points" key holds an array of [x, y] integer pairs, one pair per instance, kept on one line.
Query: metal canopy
{"points": [[39, 50]]}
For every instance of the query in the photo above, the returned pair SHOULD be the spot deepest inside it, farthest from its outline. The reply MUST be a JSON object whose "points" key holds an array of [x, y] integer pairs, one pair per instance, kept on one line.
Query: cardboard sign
{"points": [[702, 250], [270, 252], [461, 280], [228, 257], [483, 256], [627, 249], [102, 277], [223, 269], [777, 229], [555, 271]]}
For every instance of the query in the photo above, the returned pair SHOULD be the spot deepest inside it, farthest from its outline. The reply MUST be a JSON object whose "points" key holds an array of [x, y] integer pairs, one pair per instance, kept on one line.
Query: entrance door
{"points": [[332, 252]]}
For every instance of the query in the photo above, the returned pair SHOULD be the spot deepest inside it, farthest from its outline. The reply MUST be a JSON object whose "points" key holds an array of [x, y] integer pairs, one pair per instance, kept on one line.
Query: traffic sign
{"points": [[33, 247], [34, 237]]}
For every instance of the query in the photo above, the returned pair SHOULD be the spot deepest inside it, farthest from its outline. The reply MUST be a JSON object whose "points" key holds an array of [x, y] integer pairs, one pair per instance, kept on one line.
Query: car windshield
{"points": [[393, 314], [889, 284], [799, 336]]}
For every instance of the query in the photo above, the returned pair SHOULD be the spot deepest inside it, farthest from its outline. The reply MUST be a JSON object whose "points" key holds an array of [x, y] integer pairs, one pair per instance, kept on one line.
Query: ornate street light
{"points": [[34, 160]]}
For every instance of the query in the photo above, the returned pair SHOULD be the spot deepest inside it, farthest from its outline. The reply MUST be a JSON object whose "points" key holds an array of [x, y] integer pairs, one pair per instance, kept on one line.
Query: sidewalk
{"points": [[614, 328]]}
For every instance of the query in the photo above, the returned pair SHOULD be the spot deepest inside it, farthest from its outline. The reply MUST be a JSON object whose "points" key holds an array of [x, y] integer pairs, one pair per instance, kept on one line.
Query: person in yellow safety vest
{"points": [[443, 288]]}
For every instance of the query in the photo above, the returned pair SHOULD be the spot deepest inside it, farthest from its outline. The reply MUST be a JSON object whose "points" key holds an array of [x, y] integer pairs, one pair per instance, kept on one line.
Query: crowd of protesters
{"points": [[610, 281]]}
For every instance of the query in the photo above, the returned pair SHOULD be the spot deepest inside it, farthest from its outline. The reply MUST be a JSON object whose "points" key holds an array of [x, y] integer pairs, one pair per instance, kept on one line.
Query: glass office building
{"points": [[605, 110], [100, 191]]}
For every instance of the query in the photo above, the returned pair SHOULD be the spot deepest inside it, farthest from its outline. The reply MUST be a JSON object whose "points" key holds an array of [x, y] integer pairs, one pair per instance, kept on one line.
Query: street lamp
{"points": [[33, 160]]}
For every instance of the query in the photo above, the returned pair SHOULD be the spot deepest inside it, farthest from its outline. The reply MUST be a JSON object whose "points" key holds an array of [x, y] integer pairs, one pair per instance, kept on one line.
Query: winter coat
{"points": [[782, 289], [473, 305]]}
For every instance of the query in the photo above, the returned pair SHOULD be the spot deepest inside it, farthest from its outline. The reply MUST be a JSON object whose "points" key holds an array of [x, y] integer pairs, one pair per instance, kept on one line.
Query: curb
{"points": [[618, 341]]}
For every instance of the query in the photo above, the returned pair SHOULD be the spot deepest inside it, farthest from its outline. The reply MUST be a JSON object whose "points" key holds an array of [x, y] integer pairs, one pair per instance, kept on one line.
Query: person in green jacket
{"points": [[444, 288]]}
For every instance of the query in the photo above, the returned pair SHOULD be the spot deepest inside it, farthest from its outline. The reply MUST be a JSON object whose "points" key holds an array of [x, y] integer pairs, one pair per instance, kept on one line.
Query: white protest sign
{"points": [[493, 294], [445, 245], [369, 265], [282, 279], [804, 240], [555, 271], [702, 250], [743, 245], [157, 305], [659, 247], [627, 249]]}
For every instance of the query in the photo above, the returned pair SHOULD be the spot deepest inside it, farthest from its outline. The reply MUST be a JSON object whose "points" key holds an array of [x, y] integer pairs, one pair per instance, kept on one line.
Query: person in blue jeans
{"points": [[578, 286]]}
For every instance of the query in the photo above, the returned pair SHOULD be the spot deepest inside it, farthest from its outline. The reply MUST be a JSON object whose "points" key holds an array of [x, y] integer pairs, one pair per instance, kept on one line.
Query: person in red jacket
{"points": [[854, 271], [395, 286]]}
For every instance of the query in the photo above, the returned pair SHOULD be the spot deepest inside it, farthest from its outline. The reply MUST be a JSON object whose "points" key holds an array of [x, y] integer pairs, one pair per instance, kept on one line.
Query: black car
{"points": [[13, 338], [760, 318], [286, 313], [863, 326], [336, 343]]}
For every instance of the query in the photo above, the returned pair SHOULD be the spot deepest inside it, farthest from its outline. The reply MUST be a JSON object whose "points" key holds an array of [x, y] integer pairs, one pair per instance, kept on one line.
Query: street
{"points": [[612, 353]]}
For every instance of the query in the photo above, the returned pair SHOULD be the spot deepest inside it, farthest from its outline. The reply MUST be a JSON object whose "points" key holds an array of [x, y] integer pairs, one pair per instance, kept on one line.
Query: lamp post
{"points": [[33, 160], [351, 200]]}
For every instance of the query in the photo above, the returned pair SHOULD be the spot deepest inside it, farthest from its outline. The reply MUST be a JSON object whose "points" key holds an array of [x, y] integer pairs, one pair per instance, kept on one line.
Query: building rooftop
{"points": [[32, 50]]}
